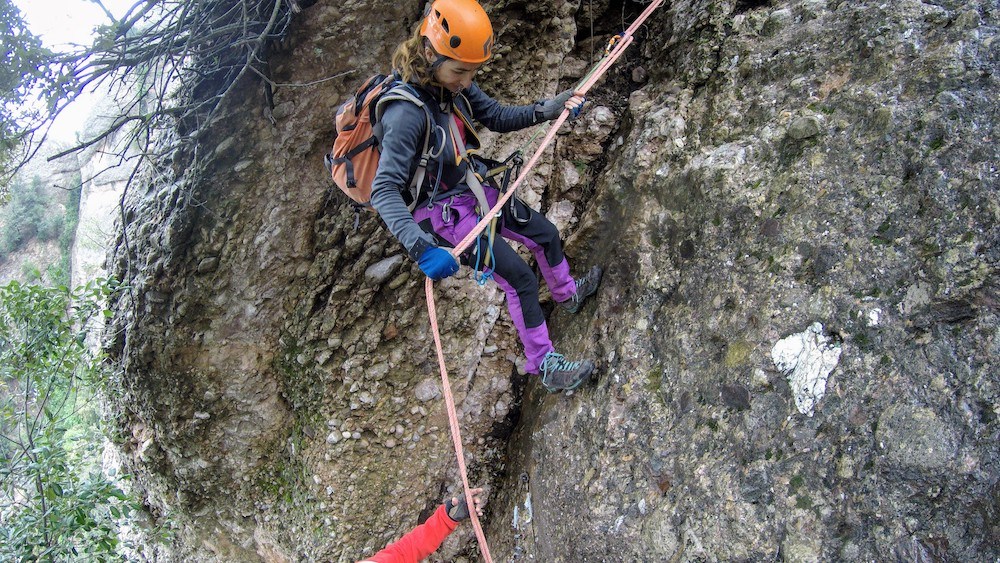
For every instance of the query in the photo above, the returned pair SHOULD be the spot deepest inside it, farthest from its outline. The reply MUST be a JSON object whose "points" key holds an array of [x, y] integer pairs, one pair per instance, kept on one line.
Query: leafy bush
{"points": [[51, 227], [26, 66], [55, 502], [23, 215], [59, 272], [30, 273]]}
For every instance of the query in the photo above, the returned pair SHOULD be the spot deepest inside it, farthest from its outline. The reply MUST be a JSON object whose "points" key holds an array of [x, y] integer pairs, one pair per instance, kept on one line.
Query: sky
{"points": [[63, 22]]}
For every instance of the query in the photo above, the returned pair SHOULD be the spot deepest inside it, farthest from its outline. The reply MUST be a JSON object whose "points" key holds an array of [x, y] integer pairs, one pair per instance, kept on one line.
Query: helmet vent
{"points": [[444, 25], [455, 41]]}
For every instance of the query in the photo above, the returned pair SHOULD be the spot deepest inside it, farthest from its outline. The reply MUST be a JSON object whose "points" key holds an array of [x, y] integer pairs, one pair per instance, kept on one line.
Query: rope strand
{"points": [[456, 434]]}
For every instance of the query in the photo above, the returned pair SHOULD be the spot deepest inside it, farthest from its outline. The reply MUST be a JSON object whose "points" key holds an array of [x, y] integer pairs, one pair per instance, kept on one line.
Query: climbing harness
{"points": [[513, 170], [475, 183], [602, 66], [511, 167]]}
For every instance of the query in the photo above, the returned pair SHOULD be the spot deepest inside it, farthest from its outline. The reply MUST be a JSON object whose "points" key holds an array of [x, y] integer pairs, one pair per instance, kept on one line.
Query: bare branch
{"points": [[180, 58]]}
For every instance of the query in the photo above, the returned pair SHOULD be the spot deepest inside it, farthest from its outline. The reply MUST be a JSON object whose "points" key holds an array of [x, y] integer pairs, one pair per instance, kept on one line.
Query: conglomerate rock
{"points": [[815, 173]]}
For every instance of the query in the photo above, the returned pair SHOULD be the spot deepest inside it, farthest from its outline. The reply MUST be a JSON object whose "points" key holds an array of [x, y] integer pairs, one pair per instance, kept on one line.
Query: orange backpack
{"points": [[353, 160]]}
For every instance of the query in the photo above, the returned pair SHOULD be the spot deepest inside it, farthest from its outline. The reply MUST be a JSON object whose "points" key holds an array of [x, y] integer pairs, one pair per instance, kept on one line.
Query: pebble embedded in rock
{"points": [[805, 127]]}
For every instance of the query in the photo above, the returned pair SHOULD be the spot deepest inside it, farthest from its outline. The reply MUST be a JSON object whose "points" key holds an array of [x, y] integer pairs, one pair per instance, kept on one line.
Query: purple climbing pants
{"points": [[453, 218]]}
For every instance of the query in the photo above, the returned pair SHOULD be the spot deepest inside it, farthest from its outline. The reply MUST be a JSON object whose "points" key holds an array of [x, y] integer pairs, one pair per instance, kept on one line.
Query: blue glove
{"points": [[437, 263]]}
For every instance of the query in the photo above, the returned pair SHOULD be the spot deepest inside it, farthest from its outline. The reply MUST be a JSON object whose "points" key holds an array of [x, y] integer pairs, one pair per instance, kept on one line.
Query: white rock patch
{"points": [[806, 358]]}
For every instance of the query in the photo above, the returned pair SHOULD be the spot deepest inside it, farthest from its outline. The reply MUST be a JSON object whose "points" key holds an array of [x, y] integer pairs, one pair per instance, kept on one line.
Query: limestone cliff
{"points": [[105, 169], [796, 206]]}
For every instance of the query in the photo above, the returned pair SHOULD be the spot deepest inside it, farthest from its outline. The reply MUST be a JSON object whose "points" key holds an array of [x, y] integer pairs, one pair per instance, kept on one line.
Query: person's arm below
{"points": [[427, 537], [419, 542]]}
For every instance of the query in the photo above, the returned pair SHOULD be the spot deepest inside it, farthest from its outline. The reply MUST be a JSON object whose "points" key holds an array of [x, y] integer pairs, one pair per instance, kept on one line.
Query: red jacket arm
{"points": [[419, 542]]}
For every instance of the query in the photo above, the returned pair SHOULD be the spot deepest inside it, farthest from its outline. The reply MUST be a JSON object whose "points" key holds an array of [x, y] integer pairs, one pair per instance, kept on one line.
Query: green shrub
{"points": [[22, 215], [30, 273], [51, 227], [55, 502]]}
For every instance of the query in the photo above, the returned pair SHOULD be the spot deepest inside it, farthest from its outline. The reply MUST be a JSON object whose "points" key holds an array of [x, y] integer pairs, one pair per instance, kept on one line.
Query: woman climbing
{"points": [[438, 63]]}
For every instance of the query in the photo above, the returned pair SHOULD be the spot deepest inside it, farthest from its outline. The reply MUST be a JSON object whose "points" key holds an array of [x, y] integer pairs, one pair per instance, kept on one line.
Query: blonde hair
{"points": [[409, 61]]}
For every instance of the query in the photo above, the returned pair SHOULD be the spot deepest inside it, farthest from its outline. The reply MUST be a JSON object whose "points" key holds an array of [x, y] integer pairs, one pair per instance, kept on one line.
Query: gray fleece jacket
{"points": [[403, 126]]}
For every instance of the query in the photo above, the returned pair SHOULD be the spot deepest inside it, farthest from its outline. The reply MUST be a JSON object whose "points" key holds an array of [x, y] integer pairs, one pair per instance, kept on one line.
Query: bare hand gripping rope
{"points": [[623, 41]]}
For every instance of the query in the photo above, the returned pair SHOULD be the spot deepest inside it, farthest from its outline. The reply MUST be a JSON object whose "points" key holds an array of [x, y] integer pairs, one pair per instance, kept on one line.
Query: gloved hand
{"points": [[550, 109], [437, 263], [457, 511]]}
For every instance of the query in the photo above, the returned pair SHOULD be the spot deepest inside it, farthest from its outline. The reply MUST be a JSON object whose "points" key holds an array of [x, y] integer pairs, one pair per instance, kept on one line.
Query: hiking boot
{"points": [[585, 287], [559, 374]]}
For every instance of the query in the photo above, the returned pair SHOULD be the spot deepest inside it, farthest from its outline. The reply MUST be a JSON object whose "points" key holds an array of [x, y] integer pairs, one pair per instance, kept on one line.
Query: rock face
{"points": [[747, 173], [103, 182]]}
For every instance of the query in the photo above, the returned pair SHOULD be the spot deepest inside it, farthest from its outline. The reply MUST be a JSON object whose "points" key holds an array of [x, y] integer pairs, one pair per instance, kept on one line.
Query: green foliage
{"points": [[30, 273], [22, 216], [60, 272], [28, 216], [51, 226], [55, 502], [165, 66], [26, 66]]}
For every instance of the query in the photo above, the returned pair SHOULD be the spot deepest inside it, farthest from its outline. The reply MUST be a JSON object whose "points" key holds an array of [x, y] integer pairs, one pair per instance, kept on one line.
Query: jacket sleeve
{"points": [[403, 125], [497, 117], [419, 542]]}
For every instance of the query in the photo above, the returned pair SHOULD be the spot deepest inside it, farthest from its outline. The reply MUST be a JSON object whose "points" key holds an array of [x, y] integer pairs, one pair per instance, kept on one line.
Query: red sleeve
{"points": [[419, 542]]}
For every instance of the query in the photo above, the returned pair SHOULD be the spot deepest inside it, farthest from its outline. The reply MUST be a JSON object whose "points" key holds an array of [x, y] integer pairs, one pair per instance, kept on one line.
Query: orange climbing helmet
{"points": [[459, 29]]}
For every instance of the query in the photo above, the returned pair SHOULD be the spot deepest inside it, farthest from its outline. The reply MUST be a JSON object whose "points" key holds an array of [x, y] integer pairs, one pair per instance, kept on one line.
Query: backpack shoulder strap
{"points": [[464, 106], [400, 91], [403, 91]]}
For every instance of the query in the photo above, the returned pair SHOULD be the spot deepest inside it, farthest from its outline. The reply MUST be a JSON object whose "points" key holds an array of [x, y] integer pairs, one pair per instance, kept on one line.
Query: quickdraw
{"points": [[485, 274], [611, 43]]}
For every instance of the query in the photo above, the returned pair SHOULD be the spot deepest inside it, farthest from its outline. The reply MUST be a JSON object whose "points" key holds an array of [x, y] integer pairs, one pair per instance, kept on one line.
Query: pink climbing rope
{"points": [[456, 436]]}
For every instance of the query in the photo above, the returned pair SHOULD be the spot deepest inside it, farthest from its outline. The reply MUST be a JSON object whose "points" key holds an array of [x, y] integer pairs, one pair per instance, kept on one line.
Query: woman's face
{"points": [[453, 75]]}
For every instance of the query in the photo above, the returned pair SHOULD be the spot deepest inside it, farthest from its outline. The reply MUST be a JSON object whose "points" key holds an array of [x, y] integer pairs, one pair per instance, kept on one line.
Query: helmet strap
{"points": [[438, 62], [440, 58]]}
